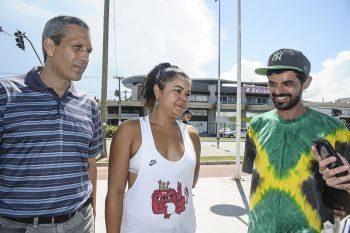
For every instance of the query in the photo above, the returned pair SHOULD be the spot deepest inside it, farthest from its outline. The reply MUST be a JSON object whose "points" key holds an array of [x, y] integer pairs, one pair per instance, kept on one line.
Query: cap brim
{"points": [[263, 70]]}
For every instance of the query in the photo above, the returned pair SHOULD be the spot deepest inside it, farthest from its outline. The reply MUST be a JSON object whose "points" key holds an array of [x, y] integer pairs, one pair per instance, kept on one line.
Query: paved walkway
{"points": [[221, 203]]}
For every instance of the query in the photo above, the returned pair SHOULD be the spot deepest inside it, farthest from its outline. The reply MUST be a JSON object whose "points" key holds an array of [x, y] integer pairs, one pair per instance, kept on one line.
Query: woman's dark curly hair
{"points": [[160, 75]]}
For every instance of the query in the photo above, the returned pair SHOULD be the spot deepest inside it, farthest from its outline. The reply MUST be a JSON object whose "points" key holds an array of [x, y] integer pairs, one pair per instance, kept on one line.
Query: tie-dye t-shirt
{"points": [[287, 192]]}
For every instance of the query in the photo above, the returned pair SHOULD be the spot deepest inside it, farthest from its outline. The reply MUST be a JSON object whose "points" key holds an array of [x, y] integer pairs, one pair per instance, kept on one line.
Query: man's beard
{"points": [[289, 104]]}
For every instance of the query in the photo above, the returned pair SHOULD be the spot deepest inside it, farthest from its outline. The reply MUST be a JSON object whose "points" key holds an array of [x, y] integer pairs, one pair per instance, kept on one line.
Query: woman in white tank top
{"points": [[154, 161]]}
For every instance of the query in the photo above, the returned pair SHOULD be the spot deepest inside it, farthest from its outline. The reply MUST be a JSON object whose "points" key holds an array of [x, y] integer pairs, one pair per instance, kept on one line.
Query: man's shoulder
{"points": [[269, 115], [10, 86], [13, 80], [324, 117]]}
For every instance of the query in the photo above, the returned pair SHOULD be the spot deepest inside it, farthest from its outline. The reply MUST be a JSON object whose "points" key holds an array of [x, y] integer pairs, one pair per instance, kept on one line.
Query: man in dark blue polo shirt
{"points": [[50, 135]]}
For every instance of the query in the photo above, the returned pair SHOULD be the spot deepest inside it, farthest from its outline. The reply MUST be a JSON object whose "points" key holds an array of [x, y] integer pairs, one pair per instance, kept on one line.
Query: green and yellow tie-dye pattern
{"points": [[286, 192]]}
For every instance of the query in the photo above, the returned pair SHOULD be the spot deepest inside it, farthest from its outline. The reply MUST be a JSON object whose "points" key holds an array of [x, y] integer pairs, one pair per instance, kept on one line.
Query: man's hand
{"points": [[329, 175]]}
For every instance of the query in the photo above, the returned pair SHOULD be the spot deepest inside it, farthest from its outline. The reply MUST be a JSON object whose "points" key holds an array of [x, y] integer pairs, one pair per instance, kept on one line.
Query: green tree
{"points": [[110, 130]]}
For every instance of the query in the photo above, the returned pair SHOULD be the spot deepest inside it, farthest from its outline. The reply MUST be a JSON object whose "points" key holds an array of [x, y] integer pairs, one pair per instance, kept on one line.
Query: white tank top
{"points": [[160, 200]]}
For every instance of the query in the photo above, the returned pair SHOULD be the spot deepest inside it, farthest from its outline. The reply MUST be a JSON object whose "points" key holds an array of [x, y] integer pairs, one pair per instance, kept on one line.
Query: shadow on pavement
{"points": [[241, 192], [233, 210], [228, 210]]}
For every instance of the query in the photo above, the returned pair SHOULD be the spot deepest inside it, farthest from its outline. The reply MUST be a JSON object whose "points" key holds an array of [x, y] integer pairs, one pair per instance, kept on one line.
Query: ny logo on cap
{"points": [[277, 56]]}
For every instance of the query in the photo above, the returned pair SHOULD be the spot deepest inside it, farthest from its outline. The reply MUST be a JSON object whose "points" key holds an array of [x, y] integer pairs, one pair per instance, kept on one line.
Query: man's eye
{"points": [[77, 46], [289, 84]]}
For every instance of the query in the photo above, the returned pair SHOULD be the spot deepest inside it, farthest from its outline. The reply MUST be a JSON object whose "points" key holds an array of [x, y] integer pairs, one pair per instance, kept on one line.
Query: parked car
{"points": [[232, 133], [222, 131]]}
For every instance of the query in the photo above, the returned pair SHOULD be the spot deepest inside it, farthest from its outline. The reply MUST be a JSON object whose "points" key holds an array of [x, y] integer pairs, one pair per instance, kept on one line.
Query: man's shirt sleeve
{"points": [[96, 145], [249, 153], [3, 101]]}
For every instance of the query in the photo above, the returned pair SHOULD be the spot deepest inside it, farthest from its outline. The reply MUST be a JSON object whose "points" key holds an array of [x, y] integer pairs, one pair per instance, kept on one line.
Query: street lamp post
{"points": [[239, 100], [120, 99]]}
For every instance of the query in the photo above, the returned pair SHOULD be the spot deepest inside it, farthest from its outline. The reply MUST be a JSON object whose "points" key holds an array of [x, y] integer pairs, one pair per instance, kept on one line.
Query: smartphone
{"points": [[325, 150]]}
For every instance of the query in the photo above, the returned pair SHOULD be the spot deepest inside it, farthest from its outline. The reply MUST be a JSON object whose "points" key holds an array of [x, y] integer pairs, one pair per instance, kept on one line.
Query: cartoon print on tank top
{"points": [[167, 201]]}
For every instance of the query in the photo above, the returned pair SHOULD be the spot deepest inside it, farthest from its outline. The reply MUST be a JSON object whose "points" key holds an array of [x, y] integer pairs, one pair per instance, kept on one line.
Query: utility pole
{"points": [[104, 77], [120, 99], [219, 84]]}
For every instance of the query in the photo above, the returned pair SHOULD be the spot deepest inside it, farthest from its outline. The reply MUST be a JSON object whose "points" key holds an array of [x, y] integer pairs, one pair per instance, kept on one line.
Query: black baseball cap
{"points": [[286, 59]]}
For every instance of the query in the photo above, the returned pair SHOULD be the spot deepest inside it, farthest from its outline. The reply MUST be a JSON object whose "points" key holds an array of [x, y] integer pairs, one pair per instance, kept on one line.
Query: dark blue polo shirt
{"points": [[45, 144]]}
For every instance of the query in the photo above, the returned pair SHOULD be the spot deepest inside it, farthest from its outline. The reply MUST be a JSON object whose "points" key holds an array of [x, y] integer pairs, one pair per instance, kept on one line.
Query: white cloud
{"points": [[154, 31], [149, 32], [332, 82], [247, 72]]}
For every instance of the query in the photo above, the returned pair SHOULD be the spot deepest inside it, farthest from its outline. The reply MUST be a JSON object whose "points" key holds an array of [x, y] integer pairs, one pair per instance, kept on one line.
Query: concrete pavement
{"points": [[226, 148], [221, 203]]}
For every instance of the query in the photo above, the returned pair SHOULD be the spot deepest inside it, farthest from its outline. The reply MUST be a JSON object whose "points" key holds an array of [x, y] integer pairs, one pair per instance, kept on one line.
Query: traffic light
{"points": [[19, 39]]}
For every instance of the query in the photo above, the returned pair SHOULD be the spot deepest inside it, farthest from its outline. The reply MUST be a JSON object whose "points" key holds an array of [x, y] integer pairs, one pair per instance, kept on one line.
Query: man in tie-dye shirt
{"points": [[287, 192]]}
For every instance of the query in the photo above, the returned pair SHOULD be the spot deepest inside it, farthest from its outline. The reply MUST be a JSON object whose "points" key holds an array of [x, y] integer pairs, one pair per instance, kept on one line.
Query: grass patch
{"points": [[213, 139], [103, 160], [217, 158]]}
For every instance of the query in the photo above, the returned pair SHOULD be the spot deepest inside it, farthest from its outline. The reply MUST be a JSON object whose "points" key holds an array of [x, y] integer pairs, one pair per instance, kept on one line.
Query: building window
{"points": [[256, 100], [198, 98], [262, 101]]}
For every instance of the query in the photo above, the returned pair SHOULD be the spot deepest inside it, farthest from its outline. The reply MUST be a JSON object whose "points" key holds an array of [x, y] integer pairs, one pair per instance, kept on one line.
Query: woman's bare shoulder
{"points": [[128, 128], [192, 130]]}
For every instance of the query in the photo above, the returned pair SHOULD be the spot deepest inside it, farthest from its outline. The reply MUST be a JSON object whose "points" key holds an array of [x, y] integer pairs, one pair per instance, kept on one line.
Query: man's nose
{"points": [[279, 89], [85, 56]]}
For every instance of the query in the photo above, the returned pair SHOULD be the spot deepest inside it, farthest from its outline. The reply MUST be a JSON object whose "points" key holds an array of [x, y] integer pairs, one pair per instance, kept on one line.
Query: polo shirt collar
{"points": [[33, 81]]}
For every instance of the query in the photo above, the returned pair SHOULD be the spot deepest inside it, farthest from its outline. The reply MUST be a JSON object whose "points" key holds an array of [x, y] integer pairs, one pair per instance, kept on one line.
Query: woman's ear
{"points": [[156, 91]]}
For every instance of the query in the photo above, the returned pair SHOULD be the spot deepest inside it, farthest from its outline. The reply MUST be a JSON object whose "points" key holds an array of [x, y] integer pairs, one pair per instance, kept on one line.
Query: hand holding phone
{"points": [[325, 150]]}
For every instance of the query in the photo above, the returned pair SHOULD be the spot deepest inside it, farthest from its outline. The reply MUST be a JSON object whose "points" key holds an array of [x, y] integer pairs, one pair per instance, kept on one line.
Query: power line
{"points": [[2, 30]]}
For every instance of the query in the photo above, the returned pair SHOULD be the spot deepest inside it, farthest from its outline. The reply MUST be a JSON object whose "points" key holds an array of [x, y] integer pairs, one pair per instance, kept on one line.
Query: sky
{"points": [[185, 33]]}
